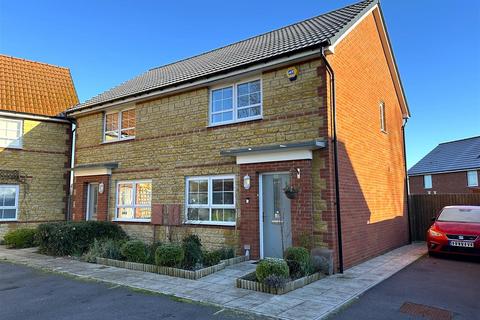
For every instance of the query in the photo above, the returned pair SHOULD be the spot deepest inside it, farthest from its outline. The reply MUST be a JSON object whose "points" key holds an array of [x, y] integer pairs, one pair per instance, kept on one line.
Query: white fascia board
{"points": [[287, 155], [20, 115], [84, 172]]}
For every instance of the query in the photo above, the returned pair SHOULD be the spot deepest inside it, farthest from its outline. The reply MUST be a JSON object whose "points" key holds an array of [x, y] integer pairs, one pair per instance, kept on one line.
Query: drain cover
{"points": [[427, 312]]}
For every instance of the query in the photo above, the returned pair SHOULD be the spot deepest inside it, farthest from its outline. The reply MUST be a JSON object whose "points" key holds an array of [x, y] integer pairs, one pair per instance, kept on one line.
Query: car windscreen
{"points": [[460, 215]]}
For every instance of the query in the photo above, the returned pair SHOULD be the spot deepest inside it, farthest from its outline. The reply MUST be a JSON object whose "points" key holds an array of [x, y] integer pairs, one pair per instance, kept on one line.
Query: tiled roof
{"points": [[34, 87], [450, 156], [300, 36]]}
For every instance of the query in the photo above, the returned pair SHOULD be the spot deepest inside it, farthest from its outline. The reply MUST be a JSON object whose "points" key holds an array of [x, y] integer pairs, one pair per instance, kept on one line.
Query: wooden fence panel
{"points": [[425, 206]]}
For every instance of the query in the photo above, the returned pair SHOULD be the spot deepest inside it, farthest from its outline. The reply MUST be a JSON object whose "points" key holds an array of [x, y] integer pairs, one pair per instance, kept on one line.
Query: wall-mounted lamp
{"points": [[101, 187], [298, 173], [246, 182]]}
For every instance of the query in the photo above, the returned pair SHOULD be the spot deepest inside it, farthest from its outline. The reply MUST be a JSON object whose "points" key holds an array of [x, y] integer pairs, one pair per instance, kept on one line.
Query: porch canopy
{"points": [[94, 169], [277, 152]]}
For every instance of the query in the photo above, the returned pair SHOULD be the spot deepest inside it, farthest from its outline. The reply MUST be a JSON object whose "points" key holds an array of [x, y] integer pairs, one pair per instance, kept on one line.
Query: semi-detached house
{"points": [[213, 144]]}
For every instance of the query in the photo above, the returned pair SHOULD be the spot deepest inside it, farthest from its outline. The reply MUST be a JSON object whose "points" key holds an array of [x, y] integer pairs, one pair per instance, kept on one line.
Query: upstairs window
{"points": [[236, 103], [383, 120], [11, 133], [8, 202], [427, 182], [472, 179], [119, 125]]}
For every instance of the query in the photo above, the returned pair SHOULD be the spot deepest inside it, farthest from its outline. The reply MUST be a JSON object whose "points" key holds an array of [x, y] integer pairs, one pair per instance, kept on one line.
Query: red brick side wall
{"points": [[80, 197], [454, 182], [301, 207], [371, 162]]}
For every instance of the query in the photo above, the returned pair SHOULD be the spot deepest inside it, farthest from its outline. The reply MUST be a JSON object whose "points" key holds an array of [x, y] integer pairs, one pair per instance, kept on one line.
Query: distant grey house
{"points": [[452, 167]]}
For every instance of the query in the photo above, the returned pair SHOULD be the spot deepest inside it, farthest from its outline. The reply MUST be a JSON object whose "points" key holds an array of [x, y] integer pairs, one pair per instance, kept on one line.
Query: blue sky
{"points": [[436, 43]]}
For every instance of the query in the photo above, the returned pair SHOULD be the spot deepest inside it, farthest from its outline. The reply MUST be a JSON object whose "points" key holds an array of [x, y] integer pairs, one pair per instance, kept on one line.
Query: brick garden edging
{"points": [[289, 286], [168, 271]]}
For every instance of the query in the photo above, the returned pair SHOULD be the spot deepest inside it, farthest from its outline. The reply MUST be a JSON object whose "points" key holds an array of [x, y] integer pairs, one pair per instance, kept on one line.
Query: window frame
{"points": [[424, 181], [383, 117], [17, 195], [210, 204], [119, 130], [475, 174], [235, 109], [19, 144], [134, 206]]}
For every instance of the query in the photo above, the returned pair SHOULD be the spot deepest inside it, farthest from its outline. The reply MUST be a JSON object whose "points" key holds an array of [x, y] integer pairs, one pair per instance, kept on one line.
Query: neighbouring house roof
{"points": [[308, 34], [450, 156], [35, 88]]}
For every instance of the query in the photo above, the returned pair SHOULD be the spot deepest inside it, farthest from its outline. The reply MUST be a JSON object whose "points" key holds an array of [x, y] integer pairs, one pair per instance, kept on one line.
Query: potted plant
{"points": [[291, 192]]}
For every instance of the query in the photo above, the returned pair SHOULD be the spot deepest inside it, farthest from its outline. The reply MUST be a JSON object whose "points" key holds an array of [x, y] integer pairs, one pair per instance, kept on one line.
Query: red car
{"points": [[456, 230]]}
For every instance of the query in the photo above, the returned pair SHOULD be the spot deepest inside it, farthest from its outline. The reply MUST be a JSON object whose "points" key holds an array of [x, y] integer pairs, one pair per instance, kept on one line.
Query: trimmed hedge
{"points": [[298, 261], [135, 251], [68, 238], [169, 255], [20, 238], [271, 266]]}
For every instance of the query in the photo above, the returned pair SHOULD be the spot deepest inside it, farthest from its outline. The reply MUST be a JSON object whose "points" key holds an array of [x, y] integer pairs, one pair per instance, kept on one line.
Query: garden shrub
{"points": [[275, 281], [151, 249], [169, 255], [135, 251], [298, 261], [211, 258], [271, 266], [227, 253], [67, 238], [192, 248], [20, 238], [104, 248]]}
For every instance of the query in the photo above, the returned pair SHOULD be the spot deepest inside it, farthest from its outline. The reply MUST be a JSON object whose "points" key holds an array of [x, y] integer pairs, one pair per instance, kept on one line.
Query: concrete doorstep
{"points": [[314, 301]]}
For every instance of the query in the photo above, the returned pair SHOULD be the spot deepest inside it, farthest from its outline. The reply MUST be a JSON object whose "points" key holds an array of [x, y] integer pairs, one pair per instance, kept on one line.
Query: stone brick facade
{"points": [[43, 164], [453, 182]]}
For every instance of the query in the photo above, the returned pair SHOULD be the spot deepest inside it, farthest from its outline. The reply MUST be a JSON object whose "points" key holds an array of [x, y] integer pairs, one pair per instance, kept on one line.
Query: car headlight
{"points": [[434, 233]]}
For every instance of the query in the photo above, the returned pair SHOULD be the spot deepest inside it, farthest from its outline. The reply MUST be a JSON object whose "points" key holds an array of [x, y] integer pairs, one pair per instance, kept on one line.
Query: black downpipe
{"points": [[335, 162], [406, 182]]}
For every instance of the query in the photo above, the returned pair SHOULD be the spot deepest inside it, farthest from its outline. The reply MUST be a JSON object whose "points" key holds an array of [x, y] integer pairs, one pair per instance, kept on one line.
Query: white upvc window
{"points": [[134, 201], [427, 181], [11, 133], [119, 125], [8, 202], [237, 102], [472, 178], [210, 200], [383, 118]]}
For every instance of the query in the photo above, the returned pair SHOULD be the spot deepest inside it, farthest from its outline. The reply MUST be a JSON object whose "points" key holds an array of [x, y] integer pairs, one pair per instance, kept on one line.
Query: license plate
{"points": [[464, 244]]}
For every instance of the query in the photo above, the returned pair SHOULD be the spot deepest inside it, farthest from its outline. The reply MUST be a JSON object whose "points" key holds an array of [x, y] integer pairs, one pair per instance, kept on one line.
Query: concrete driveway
{"points": [[26, 294], [430, 288]]}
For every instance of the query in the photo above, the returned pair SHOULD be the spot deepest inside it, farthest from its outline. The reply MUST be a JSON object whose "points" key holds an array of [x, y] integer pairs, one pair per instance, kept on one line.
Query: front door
{"points": [[92, 201], [277, 225]]}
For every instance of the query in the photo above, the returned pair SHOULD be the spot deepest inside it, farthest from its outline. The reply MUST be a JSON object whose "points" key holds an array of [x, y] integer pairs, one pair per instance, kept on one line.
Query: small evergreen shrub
{"points": [[298, 261], [104, 248], [68, 238], [135, 251], [192, 248], [227, 253], [20, 238], [271, 266], [275, 281], [151, 249], [211, 258], [169, 255]]}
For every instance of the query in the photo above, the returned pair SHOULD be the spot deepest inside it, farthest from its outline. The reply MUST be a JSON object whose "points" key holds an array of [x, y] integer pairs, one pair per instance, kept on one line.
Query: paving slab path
{"points": [[314, 301]]}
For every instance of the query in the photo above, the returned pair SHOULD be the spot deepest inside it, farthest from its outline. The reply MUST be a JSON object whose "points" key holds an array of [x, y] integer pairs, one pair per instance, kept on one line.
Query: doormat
{"points": [[425, 311]]}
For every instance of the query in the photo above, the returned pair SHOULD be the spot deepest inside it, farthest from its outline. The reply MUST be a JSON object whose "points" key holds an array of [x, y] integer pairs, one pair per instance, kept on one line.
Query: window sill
{"points": [[8, 220], [211, 223], [11, 147], [132, 220], [117, 141], [213, 125]]}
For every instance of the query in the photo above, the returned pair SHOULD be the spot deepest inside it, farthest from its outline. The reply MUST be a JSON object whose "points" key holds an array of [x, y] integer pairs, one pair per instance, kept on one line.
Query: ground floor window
{"points": [[210, 200], [134, 200], [8, 202]]}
